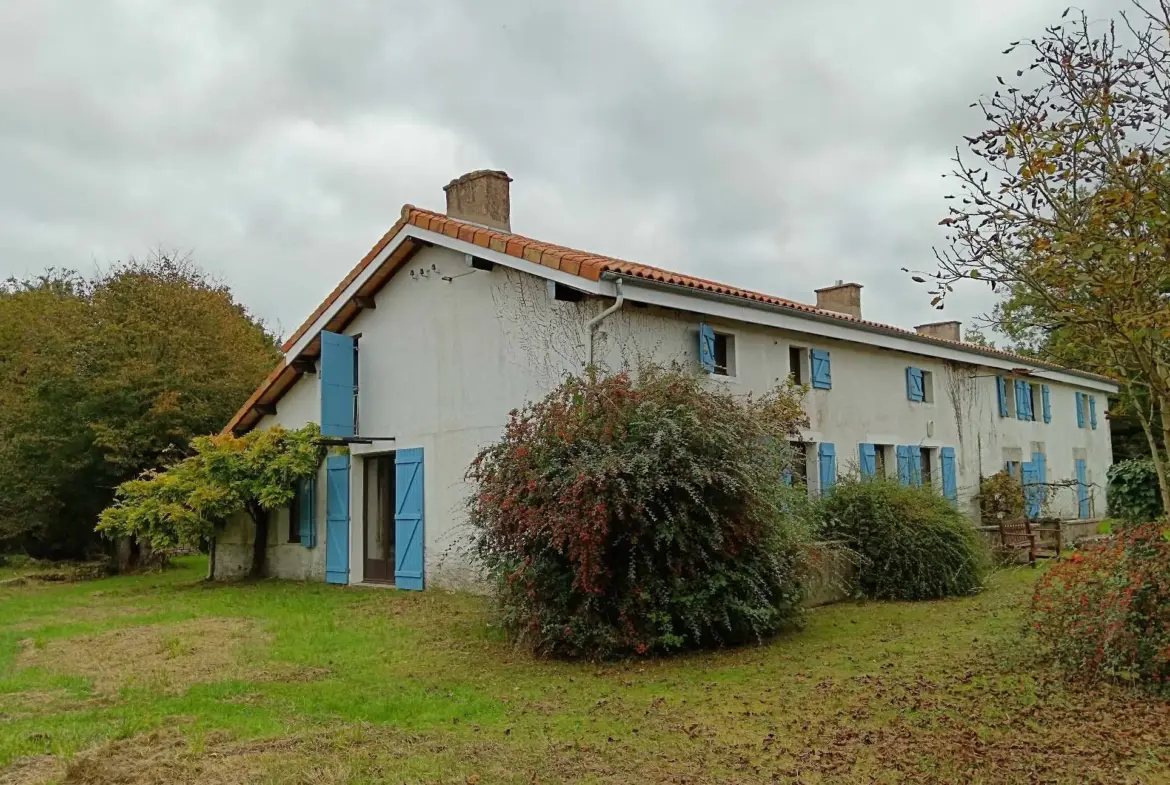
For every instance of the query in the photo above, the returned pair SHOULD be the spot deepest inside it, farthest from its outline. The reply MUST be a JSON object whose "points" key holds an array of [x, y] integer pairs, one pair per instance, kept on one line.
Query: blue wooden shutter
{"points": [[1021, 400], [307, 498], [950, 480], [827, 465], [822, 377], [868, 454], [1046, 403], [1001, 389], [707, 348], [915, 390], [1033, 492], [915, 465], [1080, 410], [338, 394], [1093, 412], [337, 519], [1082, 488], [905, 465], [409, 531]]}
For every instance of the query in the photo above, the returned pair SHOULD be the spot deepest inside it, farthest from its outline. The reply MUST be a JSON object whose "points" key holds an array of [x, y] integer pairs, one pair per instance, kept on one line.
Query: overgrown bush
{"points": [[912, 543], [1104, 613], [637, 514], [1133, 493], [1001, 498]]}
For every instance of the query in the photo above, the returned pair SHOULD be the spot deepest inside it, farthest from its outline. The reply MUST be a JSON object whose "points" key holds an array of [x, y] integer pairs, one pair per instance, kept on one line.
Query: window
{"points": [[884, 459], [924, 477], [798, 474], [1036, 404], [919, 385], [716, 351], [1009, 392], [294, 518], [724, 355], [798, 364]]}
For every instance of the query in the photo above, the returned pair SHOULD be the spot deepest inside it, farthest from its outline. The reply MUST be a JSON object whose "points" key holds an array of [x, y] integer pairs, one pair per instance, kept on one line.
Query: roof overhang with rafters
{"points": [[598, 275]]}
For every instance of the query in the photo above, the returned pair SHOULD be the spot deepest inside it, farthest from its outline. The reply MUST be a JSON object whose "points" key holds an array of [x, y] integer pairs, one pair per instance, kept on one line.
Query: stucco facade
{"points": [[449, 350]]}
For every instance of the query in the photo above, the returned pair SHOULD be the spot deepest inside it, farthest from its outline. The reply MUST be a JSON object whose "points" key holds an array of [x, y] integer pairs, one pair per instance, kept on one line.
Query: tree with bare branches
{"points": [[1063, 203]]}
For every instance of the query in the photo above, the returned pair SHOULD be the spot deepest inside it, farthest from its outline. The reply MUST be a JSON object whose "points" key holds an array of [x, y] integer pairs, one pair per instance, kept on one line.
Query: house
{"points": [[451, 321]]}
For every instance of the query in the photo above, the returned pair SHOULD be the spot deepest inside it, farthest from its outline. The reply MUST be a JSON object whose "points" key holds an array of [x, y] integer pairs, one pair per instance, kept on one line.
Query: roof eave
{"points": [[856, 324]]}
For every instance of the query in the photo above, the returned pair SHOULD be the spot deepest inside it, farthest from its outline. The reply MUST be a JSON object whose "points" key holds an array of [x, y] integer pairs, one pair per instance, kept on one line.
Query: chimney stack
{"points": [[841, 297], [948, 331], [481, 197]]}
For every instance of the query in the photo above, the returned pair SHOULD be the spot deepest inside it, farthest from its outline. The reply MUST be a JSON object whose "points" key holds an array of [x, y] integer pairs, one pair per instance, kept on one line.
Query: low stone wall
{"points": [[831, 573]]}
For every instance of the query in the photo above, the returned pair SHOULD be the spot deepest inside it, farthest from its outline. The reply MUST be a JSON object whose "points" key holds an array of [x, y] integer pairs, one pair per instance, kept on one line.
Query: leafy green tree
{"points": [[1064, 206], [52, 476], [190, 501], [103, 378]]}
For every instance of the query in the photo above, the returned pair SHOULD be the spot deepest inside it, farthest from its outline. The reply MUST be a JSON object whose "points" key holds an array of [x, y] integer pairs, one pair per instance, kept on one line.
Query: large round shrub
{"points": [[1105, 611], [634, 514], [911, 543]]}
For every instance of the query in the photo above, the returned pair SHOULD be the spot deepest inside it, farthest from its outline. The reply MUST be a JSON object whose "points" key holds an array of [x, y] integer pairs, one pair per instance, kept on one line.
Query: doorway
{"points": [[379, 518]]}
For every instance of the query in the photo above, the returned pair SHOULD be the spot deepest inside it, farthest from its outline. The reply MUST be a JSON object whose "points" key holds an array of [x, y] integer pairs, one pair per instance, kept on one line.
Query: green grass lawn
{"points": [[160, 678]]}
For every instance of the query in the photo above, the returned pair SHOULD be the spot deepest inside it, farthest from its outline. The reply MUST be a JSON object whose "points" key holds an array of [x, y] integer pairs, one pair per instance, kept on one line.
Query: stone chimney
{"points": [[841, 297], [948, 331], [481, 197]]}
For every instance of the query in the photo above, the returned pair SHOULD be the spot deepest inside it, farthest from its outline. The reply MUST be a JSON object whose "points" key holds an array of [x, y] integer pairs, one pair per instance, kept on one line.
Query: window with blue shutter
{"points": [[1082, 488], [822, 378], [307, 511], [338, 384], [1080, 410], [707, 347], [1093, 412], [1046, 403], [1001, 390], [337, 519], [409, 530], [950, 480], [868, 456], [1023, 399], [915, 389], [827, 465], [915, 464]]}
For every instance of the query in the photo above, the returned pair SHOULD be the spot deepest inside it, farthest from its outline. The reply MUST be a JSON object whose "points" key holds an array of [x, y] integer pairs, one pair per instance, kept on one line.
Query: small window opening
{"points": [[724, 354], [798, 364]]}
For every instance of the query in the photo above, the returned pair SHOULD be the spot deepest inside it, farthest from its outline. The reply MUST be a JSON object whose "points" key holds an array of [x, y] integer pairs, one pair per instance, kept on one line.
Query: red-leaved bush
{"points": [[632, 514], [1104, 613]]}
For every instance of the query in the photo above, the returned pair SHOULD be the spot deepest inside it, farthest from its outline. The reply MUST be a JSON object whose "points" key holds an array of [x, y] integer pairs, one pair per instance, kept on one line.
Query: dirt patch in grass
{"points": [[168, 656]]}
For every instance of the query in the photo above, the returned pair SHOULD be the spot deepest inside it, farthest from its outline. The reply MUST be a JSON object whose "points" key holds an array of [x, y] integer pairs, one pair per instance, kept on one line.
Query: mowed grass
{"points": [[162, 678]]}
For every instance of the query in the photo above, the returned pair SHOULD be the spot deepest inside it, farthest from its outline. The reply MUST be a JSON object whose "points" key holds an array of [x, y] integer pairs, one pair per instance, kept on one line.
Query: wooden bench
{"points": [[1040, 540]]}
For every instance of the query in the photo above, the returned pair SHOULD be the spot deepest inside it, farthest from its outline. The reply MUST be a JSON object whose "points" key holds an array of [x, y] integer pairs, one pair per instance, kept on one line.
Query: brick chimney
{"points": [[841, 297], [948, 331], [481, 197]]}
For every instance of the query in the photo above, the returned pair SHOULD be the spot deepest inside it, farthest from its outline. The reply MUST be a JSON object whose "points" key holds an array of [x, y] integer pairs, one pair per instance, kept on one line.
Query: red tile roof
{"points": [[587, 265]]}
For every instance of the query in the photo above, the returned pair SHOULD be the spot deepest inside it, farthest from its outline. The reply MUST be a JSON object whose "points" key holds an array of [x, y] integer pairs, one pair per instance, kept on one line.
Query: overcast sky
{"points": [[771, 144]]}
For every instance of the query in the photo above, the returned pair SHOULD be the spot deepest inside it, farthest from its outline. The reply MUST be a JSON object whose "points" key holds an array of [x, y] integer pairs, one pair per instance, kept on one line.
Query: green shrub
{"points": [[912, 543], [1104, 613], [632, 515], [1133, 493]]}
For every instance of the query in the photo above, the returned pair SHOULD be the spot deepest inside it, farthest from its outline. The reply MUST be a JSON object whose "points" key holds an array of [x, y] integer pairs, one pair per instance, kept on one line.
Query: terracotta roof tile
{"points": [[591, 267]]}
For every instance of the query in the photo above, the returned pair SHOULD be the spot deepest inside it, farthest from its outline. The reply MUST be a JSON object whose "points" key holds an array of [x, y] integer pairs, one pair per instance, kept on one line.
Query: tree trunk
{"points": [[211, 560], [1159, 457], [260, 543]]}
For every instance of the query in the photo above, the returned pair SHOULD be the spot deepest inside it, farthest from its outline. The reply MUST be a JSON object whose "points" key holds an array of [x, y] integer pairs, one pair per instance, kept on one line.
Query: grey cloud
{"points": [[777, 146]]}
